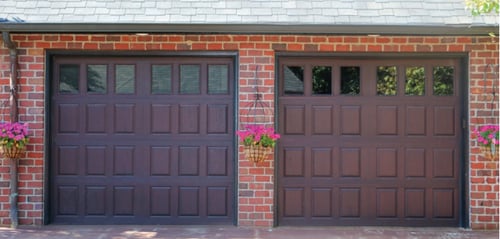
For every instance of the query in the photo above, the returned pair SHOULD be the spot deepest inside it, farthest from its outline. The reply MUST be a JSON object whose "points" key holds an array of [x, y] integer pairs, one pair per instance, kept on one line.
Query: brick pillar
{"points": [[255, 181], [483, 103]]}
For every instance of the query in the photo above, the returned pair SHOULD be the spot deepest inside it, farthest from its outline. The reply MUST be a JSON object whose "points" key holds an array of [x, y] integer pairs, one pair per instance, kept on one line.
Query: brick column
{"points": [[483, 102], [256, 181]]}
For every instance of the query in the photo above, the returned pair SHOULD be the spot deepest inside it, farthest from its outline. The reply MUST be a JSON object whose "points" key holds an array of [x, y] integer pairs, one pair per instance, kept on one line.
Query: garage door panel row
{"points": [[80, 202], [192, 118], [362, 202], [395, 162], [357, 120], [130, 160]]}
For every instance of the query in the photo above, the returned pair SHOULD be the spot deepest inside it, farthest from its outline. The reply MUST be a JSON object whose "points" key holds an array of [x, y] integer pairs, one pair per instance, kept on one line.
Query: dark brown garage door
{"points": [[142, 140], [369, 141]]}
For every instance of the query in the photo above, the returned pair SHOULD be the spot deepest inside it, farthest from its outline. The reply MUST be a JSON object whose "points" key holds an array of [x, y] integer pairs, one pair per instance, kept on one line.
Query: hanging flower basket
{"points": [[489, 153], [12, 152], [13, 139], [257, 153], [488, 140], [258, 141]]}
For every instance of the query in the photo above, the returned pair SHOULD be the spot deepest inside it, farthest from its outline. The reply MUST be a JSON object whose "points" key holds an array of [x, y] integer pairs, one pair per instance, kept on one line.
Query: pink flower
{"points": [[487, 135], [257, 138], [258, 135], [13, 134]]}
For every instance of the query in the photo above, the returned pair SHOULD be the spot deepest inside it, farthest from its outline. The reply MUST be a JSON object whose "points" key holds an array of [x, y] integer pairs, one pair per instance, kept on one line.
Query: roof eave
{"points": [[249, 28]]}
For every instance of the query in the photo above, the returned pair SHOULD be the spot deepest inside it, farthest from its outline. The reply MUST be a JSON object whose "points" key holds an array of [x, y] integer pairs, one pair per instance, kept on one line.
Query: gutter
{"points": [[13, 118], [333, 29]]}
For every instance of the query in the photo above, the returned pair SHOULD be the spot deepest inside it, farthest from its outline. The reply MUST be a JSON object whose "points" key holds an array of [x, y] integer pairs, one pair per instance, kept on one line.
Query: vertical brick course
{"points": [[256, 183]]}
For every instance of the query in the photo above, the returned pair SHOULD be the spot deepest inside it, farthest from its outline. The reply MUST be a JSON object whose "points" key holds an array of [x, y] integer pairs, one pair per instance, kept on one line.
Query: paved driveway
{"points": [[230, 232]]}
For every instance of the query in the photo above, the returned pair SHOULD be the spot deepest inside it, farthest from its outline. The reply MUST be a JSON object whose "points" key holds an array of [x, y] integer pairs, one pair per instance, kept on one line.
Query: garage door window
{"points": [[125, 79], [415, 81], [350, 77], [443, 80], [97, 78], [322, 80], [69, 77], [294, 80], [161, 79], [217, 79], [386, 80], [190, 79]]}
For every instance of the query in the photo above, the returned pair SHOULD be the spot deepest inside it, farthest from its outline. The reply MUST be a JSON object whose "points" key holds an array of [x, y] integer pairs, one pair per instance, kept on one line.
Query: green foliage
{"points": [[478, 7], [386, 80], [322, 79], [350, 77], [415, 81], [443, 80]]}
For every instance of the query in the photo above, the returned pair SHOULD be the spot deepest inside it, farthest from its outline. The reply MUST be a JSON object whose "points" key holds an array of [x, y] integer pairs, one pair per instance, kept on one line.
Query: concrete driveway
{"points": [[231, 232]]}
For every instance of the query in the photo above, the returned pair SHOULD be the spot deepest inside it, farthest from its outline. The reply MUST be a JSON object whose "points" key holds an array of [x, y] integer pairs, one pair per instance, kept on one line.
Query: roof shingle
{"points": [[326, 12]]}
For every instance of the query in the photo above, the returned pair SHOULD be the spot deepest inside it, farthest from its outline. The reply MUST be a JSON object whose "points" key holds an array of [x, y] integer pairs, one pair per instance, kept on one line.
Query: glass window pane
{"points": [[161, 79], [69, 77], [350, 80], [217, 79], [322, 80], [386, 80], [125, 79], [294, 80], [443, 80], [415, 81], [97, 78], [190, 79]]}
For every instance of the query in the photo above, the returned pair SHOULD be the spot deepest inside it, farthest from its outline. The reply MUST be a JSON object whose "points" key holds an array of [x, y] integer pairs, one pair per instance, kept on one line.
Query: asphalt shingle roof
{"points": [[327, 12]]}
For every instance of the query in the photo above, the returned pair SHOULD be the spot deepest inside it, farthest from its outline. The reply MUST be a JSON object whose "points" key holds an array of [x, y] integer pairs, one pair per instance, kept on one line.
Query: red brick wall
{"points": [[255, 182], [483, 109]]}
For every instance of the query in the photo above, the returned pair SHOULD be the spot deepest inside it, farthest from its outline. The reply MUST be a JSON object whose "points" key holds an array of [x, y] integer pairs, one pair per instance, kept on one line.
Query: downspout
{"points": [[13, 118], [13, 75]]}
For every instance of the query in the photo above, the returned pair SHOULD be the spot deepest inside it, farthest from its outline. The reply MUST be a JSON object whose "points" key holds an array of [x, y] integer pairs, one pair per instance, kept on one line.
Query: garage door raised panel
{"points": [[142, 140], [369, 141]]}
